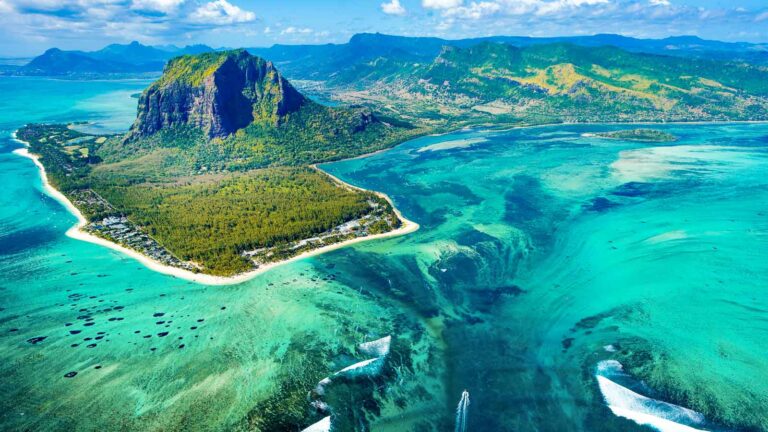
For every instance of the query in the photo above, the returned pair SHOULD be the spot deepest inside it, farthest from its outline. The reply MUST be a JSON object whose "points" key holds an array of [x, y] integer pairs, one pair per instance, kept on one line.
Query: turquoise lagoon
{"points": [[543, 255]]}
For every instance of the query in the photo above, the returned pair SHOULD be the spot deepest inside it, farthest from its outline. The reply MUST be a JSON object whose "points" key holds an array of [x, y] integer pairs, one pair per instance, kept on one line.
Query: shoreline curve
{"points": [[76, 232]]}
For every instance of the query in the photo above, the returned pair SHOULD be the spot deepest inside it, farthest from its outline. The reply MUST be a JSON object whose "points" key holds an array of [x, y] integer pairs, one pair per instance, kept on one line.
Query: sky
{"points": [[31, 26]]}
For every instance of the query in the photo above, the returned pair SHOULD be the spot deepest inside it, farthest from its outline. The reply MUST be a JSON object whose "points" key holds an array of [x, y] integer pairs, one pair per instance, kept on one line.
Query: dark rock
{"points": [[36, 340], [226, 99], [70, 374]]}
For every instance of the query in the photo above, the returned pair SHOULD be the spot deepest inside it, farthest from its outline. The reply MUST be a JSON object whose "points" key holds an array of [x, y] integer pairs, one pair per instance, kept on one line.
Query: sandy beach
{"points": [[76, 232]]}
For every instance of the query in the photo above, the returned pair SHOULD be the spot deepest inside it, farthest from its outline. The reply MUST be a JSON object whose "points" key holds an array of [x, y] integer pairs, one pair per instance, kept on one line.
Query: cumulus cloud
{"points": [[43, 23], [221, 12], [393, 8]]}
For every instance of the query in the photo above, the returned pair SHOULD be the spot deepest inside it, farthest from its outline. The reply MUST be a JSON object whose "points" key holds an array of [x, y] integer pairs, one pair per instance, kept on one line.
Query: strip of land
{"points": [[77, 232]]}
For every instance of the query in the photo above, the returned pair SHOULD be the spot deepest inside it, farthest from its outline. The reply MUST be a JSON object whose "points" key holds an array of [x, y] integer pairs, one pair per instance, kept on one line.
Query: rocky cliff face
{"points": [[216, 92]]}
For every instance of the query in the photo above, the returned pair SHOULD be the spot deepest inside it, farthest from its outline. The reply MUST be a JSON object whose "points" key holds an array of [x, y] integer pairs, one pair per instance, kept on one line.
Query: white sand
{"points": [[76, 232]]}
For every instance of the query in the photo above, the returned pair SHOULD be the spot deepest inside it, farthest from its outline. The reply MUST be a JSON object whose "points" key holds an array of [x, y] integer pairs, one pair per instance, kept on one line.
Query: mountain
{"points": [[55, 62], [219, 93], [214, 175], [112, 59], [324, 61], [229, 110], [559, 82]]}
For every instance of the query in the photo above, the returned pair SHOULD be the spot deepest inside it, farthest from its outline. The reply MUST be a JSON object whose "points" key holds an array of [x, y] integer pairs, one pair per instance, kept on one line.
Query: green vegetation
{"points": [[208, 219], [313, 134], [241, 212], [66, 153], [214, 175], [643, 135], [191, 69], [216, 163], [499, 83]]}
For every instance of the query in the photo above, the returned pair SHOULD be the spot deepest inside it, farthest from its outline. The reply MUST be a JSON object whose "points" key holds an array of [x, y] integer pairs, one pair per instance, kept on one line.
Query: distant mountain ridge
{"points": [[321, 62], [112, 59]]}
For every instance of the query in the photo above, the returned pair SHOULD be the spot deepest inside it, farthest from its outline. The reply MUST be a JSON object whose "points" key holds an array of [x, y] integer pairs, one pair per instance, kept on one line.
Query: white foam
{"points": [[461, 412], [363, 365], [623, 402], [323, 425], [320, 388], [320, 405], [657, 423], [377, 348]]}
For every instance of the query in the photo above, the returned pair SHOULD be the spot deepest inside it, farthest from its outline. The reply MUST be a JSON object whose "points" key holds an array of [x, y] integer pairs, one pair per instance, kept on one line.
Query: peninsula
{"points": [[213, 182]]}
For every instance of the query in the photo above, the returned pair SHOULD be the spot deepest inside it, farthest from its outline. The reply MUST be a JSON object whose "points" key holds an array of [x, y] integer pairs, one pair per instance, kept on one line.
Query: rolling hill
{"points": [[559, 82]]}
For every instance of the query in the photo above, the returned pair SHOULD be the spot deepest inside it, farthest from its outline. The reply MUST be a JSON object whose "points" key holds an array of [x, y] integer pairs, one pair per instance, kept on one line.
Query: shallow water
{"points": [[538, 249]]}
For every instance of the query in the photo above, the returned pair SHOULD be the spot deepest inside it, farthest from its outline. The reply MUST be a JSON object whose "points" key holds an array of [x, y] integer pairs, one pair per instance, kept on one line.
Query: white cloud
{"points": [[296, 31], [164, 6], [481, 9], [393, 8], [221, 12], [474, 10], [762, 17], [660, 2], [441, 4]]}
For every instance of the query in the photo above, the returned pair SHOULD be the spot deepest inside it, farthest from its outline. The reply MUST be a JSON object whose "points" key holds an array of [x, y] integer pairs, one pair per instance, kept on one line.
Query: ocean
{"points": [[564, 281]]}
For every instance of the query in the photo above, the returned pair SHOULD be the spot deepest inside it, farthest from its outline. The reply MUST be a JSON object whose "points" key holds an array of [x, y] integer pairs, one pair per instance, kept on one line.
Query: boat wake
{"points": [[461, 412]]}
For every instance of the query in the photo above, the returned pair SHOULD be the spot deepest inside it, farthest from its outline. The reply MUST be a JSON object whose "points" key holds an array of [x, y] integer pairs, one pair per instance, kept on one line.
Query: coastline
{"points": [[76, 232], [408, 226]]}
